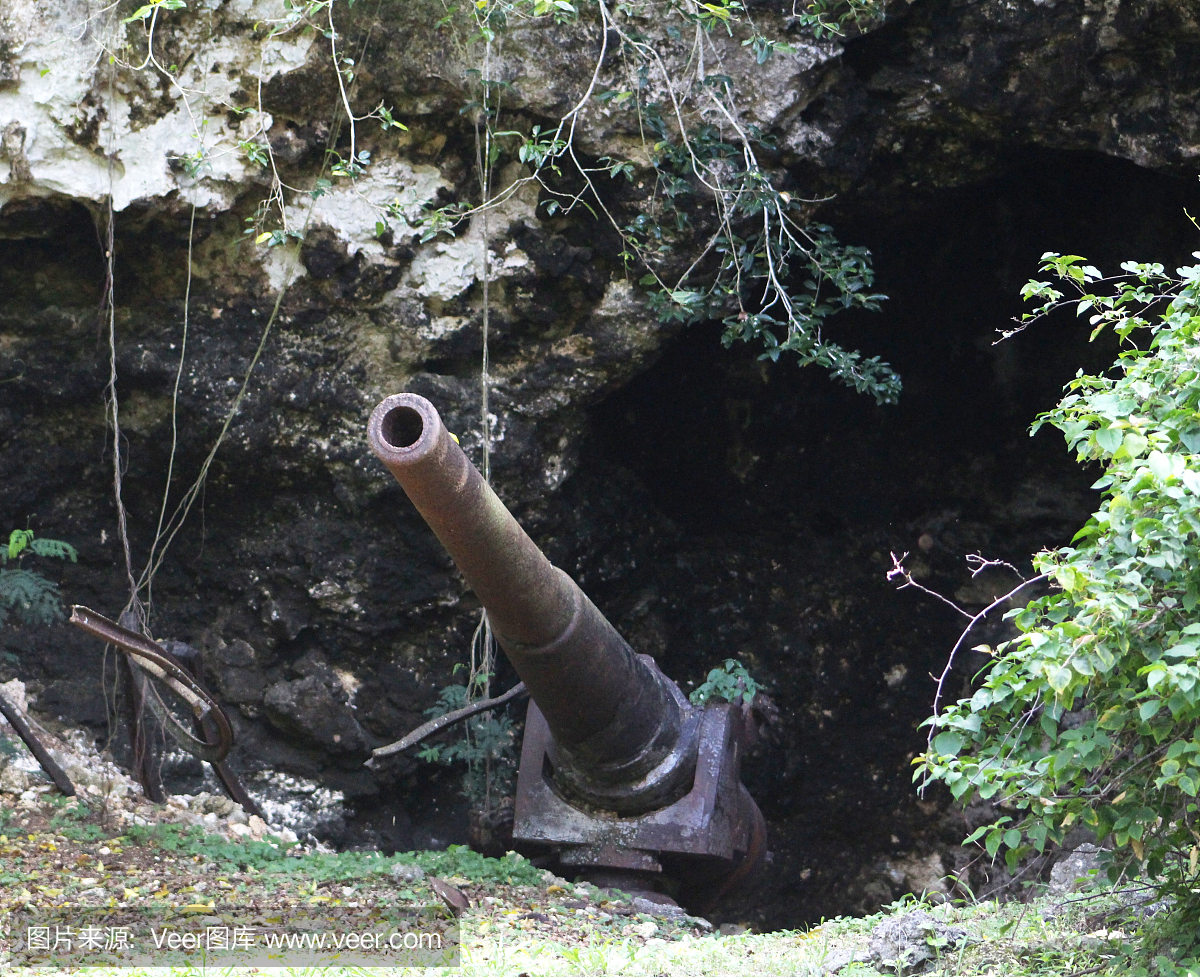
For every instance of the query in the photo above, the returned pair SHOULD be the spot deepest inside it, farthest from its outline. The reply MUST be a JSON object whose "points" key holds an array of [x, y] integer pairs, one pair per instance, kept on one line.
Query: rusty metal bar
{"points": [[19, 724]]}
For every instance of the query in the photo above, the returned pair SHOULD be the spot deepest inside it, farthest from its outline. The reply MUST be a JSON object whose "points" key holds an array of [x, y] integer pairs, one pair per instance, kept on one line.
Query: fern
{"points": [[18, 539], [30, 596], [54, 548], [486, 746]]}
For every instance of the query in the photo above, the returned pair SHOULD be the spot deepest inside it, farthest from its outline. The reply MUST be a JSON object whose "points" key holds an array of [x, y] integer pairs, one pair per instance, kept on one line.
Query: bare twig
{"points": [[899, 571]]}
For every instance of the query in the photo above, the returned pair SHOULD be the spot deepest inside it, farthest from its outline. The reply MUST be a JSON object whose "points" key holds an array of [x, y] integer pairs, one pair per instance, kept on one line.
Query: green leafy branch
{"points": [[1092, 715], [830, 18], [771, 276]]}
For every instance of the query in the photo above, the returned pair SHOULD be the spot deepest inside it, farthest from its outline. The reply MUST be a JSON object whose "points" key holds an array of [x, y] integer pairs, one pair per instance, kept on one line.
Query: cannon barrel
{"points": [[624, 737]]}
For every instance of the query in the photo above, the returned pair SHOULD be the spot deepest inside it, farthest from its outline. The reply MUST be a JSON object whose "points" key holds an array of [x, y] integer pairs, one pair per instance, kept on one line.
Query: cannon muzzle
{"points": [[617, 736]]}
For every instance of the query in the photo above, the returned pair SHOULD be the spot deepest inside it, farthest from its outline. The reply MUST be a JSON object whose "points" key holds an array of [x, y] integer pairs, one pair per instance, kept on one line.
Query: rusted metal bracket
{"points": [[714, 833], [211, 736]]}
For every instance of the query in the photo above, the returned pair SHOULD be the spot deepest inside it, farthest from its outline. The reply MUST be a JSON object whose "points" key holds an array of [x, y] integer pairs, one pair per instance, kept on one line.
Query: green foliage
{"points": [[458, 860], [77, 831], [827, 18], [76, 821], [754, 259], [762, 246], [21, 540], [24, 593], [254, 151], [731, 682], [761, 266], [192, 840], [485, 744], [149, 9], [1092, 715], [271, 856]]}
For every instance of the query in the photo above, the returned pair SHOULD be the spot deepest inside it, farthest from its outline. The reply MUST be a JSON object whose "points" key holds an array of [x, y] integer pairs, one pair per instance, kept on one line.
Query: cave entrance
{"points": [[758, 503]]}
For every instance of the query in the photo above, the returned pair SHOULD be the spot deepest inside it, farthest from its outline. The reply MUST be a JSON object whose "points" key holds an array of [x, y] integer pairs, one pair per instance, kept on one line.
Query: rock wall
{"points": [[327, 614]]}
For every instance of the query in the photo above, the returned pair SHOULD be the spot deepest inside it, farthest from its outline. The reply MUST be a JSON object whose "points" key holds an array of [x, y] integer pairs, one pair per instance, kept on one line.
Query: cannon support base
{"points": [[700, 846]]}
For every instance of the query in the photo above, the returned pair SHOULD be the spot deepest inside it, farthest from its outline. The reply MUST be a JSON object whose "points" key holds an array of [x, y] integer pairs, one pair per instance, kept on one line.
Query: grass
{"points": [[270, 856], [1089, 934], [524, 922]]}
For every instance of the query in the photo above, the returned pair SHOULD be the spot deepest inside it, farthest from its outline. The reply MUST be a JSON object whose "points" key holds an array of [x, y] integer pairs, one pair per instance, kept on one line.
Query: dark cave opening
{"points": [[767, 500], [725, 442], [41, 240]]}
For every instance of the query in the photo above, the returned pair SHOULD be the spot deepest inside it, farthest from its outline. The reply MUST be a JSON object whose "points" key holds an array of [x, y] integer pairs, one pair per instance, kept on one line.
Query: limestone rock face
{"points": [[943, 93], [328, 616]]}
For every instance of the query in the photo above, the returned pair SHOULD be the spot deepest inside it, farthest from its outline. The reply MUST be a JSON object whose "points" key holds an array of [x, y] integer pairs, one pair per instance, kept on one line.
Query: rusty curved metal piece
{"points": [[156, 661], [625, 740]]}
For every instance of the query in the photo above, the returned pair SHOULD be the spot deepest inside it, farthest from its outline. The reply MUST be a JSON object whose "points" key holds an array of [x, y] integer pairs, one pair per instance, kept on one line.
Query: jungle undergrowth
{"points": [[26, 594]]}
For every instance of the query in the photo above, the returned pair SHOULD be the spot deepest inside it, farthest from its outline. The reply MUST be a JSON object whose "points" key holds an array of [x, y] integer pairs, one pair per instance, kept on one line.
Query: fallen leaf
{"points": [[451, 896]]}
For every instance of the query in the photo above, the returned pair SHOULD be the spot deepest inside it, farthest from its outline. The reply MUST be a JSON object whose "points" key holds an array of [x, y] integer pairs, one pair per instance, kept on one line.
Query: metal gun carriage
{"points": [[621, 780]]}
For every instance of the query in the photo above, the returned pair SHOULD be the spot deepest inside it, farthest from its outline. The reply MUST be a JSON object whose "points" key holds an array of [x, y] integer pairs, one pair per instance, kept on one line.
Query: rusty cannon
{"points": [[622, 781]]}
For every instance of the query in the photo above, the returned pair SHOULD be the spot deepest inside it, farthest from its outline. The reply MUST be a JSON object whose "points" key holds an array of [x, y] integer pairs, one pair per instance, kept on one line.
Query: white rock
{"points": [[15, 780], [62, 89], [402, 872], [1075, 870], [14, 691]]}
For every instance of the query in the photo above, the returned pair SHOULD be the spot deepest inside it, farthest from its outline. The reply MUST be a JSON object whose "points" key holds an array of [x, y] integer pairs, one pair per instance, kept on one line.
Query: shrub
{"points": [[1090, 715]]}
